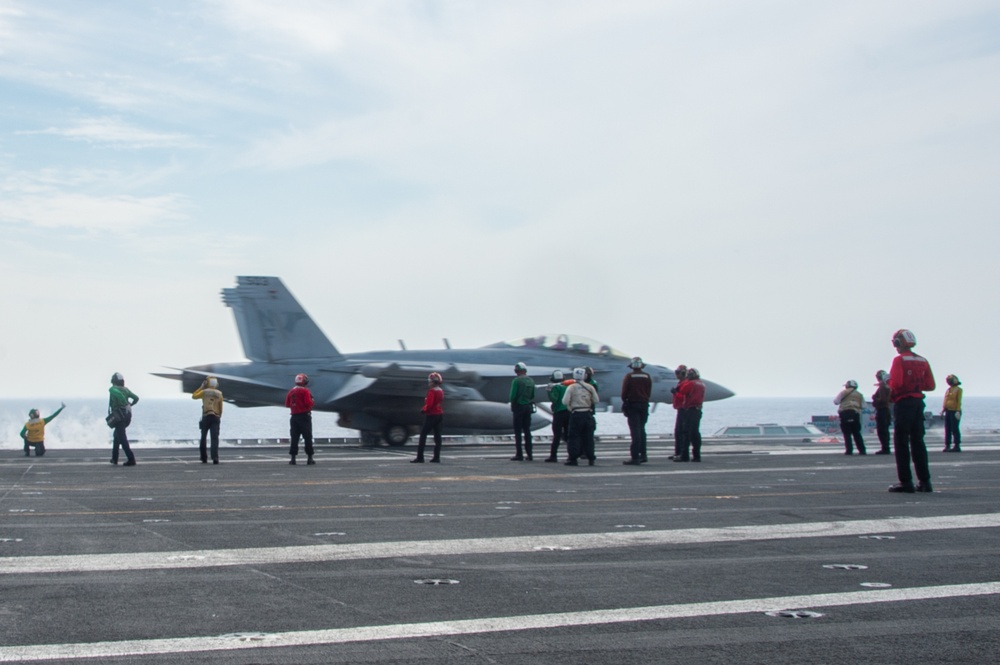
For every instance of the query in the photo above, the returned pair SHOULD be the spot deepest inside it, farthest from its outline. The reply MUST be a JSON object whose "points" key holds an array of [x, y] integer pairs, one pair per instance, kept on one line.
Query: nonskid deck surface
{"points": [[764, 551]]}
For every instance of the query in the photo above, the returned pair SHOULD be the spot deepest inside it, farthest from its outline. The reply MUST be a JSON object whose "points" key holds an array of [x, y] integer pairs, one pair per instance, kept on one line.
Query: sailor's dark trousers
{"points": [[522, 428], [908, 440], [883, 418], [850, 426], [209, 429], [638, 415], [300, 425], [581, 435], [560, 431]]}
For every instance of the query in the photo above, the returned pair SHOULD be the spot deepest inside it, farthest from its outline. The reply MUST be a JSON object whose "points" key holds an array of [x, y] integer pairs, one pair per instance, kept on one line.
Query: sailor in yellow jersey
{"points": [[33, 431], [211, 415]]}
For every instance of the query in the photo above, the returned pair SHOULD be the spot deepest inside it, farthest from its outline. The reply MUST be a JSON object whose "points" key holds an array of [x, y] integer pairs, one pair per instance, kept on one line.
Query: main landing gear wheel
{"points": [[396, 435]]}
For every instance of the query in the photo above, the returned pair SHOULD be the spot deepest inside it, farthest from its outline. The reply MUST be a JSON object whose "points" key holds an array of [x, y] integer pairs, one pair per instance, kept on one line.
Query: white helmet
{"points": [[904, 339], [557, 375], [520, 368], [579, 374], [851, 384], [212, 382]]}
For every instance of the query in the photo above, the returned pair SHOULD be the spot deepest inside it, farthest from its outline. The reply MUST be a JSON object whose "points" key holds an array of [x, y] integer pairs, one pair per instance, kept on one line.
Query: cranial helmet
{"points": [[212, 382], [579, 374], [33, 413], [681, 371], [301, 380], [952, 380], [117, 379], [904, 339], [434, 377], [692, 373], [637, 363], [851, 384], [520, 368], [882, 375], [557, 375]]}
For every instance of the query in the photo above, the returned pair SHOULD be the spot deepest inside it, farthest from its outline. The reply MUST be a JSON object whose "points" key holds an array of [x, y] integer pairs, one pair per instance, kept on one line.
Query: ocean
{"points": [[166, 422]]}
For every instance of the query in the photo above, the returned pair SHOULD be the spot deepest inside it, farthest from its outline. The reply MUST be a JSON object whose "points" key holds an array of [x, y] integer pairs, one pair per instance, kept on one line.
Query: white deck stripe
{"points": [[311, 553], [34, 653]]}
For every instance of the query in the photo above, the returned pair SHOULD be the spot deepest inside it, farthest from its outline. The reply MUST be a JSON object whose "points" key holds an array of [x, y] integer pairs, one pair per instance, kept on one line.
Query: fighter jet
{"points": [[381, 393]]}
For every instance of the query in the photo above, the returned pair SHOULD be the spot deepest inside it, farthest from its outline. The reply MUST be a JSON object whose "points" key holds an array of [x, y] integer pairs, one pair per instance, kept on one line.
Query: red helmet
{"points": [[904, 339], [301, 380], [434, 377]]}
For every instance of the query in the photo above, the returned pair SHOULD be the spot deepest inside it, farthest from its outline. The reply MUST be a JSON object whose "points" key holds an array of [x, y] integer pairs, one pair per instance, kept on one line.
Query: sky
{"points": [[763, 190]]}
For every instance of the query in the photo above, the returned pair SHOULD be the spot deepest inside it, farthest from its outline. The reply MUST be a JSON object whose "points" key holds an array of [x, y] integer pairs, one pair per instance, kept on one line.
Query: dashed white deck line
{"points": [[308, 638], [77, 563]]}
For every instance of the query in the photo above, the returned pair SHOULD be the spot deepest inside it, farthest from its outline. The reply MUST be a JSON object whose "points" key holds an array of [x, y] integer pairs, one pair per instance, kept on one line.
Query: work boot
{"points": [[925, 486], [310, 460], [292, 461], [417, 460], [902, 487]]}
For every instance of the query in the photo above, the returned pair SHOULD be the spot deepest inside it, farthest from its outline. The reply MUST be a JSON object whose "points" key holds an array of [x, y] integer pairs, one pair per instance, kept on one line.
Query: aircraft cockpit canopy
{"points": [[562, 342]]}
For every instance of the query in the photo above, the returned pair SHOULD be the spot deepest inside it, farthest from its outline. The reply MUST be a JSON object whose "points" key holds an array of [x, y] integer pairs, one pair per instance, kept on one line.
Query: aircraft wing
{"points": [[228, 378]]}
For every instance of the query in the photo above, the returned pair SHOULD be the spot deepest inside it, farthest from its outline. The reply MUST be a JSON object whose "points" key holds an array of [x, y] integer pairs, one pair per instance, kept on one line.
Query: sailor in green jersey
{"points": [[120, 401], [560, 415], [33, 432], [522, 403]]}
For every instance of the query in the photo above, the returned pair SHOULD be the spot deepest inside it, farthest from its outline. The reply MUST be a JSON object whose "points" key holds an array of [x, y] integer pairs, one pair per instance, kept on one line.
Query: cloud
{"points": [[116, 132], [52, 200]]}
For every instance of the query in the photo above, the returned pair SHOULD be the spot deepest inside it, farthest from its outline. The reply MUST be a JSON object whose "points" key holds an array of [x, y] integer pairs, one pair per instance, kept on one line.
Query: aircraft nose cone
{"points": [[713, 391]]}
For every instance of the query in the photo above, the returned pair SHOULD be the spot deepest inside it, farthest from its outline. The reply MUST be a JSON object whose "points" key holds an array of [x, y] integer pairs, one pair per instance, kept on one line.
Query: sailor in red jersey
{"points": [[909, 376], [300, 401], [691, 393], [433, 416], [680, 373]]}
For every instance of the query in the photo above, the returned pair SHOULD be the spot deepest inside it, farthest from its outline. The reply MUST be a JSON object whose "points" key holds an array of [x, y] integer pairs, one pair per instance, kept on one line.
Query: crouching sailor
{"points": [[33, 431]]}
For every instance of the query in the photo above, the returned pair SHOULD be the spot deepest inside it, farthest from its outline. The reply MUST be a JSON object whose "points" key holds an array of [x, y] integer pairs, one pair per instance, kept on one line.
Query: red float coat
{"points": [[691, 394], [434, 402], [909, 376], [299, 400]]}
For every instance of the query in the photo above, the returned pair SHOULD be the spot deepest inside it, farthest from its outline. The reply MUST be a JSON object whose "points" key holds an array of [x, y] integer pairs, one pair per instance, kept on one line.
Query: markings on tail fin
{"points": [[273, 326]]}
